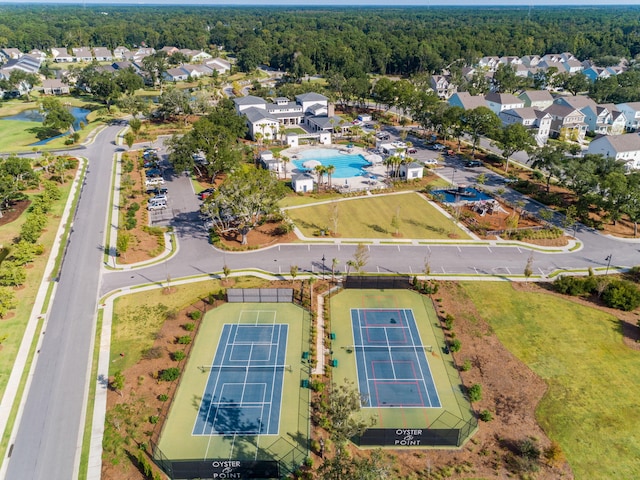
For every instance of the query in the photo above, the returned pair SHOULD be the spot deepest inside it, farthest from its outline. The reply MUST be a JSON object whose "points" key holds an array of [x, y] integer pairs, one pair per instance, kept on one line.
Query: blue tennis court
{"points": [[392, 366], [243, 395]]}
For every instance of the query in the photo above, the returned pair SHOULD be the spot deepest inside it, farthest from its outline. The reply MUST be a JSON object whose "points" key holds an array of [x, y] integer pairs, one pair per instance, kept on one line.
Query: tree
{"points": [[395, 221], [513, 138], [478, 122], [243, 200], [118, 382], [528, 268], [505, 79], [135, 124], [7, 300], [360, 257], [174, 103], [343, 412], [129, 138], [632, 205], [154, 66], [55, 115], [574, 83], [549, 159]]}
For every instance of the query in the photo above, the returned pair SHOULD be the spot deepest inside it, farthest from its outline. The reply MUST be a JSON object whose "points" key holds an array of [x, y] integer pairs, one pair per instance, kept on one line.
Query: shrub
{"points": [[152, 353], [178, 355], [622, 295], [456, 345], [486, 416], [12, 274], [189, 326], [170, 374], [163, 397], [154, 419], [122, 243], [195, 315], [7, 301], [184, 340], [475, 392], [316, 385], [448, 321], [466, 366]]}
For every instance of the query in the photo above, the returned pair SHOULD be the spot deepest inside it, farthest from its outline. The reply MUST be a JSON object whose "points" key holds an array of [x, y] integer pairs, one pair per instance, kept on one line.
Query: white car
{"points": [[431, 161], [154, 181], [157, 206]]}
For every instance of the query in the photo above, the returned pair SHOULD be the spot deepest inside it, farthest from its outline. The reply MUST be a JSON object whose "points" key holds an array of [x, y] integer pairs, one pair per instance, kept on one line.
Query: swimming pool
{"points": [[461, 195], [347, 164]]}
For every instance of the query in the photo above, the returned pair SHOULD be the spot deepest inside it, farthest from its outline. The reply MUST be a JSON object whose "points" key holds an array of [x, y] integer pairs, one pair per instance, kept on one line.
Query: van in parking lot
{"points": [[154, 181]]}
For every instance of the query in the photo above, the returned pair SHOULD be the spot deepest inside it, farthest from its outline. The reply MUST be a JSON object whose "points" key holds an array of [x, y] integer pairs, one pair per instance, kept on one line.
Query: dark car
{"points": [[157, 190], [473, 163], [206, 193]]}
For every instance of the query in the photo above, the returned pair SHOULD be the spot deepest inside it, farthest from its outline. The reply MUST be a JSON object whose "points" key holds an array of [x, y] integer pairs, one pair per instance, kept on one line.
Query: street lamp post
{"points": [[453, 177], [608, 259], [323, 260]]}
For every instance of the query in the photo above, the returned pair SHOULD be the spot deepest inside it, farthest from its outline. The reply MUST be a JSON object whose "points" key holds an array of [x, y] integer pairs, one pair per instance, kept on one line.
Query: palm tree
{"points": [[285, 160], [319, 169], [329, 170], [277, 156], [282, 130]]}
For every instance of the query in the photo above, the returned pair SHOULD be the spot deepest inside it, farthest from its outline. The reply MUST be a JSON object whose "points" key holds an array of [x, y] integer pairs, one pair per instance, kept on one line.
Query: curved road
{"points": [[50, 432]]}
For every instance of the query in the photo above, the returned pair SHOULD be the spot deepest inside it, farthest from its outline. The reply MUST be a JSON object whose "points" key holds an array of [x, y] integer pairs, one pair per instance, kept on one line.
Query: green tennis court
{"points": [[390, 344], [240, 397]]}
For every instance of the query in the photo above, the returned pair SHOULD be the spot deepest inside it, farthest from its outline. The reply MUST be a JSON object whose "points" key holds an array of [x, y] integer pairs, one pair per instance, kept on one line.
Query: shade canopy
{"points": [[374, 158]]}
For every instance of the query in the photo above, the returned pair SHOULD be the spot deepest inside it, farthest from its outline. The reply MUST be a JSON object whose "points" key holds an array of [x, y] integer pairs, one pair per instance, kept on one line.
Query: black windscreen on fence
{"points": [[260, 295], [377, 283]]}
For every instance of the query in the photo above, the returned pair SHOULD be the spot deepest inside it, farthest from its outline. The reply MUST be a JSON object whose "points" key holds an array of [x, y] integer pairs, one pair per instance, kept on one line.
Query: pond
{"points": [[34, 115]]}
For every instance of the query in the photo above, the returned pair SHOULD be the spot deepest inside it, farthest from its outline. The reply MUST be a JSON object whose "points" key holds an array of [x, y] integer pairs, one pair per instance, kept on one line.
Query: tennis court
{"points": [[240, 399], [244, 390], [392, 367]]}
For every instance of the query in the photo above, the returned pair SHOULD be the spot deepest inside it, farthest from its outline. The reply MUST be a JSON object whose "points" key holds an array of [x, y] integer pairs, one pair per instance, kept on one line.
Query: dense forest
{"points": [[352, 41]]}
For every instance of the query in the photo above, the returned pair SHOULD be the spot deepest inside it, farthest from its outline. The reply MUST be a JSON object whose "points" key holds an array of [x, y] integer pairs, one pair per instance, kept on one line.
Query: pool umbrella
{"points": [[374, 158], [311, 164]]}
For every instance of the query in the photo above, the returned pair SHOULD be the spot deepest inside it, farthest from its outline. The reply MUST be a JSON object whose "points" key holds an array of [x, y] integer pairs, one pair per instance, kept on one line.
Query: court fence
{"points": [[260, 295], [366, 282]]}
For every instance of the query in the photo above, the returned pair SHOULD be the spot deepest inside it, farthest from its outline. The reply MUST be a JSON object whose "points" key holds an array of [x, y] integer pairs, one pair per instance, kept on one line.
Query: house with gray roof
{"points": [[82, 54], [538, 121], [60, 55], [102, 54], [539, 99], [624, 148], [631, 111], [54, 87], [498, 102], [219, 65], [122, 53], [467, 101], [567, 123]]}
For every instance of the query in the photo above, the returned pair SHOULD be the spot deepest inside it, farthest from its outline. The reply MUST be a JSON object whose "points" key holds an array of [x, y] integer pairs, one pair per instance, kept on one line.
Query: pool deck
{"points": [[351, 184]]}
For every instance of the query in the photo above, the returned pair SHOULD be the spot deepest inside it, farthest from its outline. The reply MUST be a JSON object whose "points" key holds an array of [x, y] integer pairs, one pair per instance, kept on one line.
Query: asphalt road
{"points": [[47, 445]]}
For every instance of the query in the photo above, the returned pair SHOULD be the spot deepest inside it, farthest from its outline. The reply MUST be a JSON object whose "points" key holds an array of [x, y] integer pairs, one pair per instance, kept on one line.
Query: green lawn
{"points": [[16, 135], [371, 217], [591, 407], [295, 200]]}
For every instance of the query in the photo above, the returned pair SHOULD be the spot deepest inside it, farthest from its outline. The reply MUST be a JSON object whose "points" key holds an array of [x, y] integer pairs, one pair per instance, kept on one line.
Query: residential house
{"points": [[508, 60], [142, 52], [102, 54], [25, 63], [54, 87], [122, 53], [537, 120], [567, 123], [531, 60], [596, 120], [631, 111], [197, 71], [498, 102], [618, 119], [624, 148], [38, 54], [177, 74], [490, 63], [467, 101], [60, 55], [441, 85], [7, 54], [82, 54], [302, 182], [169, 50], [594, 73], [219, 65], [571, 66], [539, 99], [200, 56], [411, 171]]}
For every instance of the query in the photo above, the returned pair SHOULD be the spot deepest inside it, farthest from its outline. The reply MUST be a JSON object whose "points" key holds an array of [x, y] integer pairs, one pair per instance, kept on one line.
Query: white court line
{"points": [[425, 358], [393, 369]]}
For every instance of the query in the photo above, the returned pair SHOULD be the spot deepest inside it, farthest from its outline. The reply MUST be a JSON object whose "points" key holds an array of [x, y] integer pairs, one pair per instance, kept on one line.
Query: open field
{"points": [[372, 217], [590, 408]]}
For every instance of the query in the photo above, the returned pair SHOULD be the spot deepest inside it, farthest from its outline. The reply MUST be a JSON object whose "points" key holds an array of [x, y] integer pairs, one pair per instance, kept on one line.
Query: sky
{"points": [[425, 3]]}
